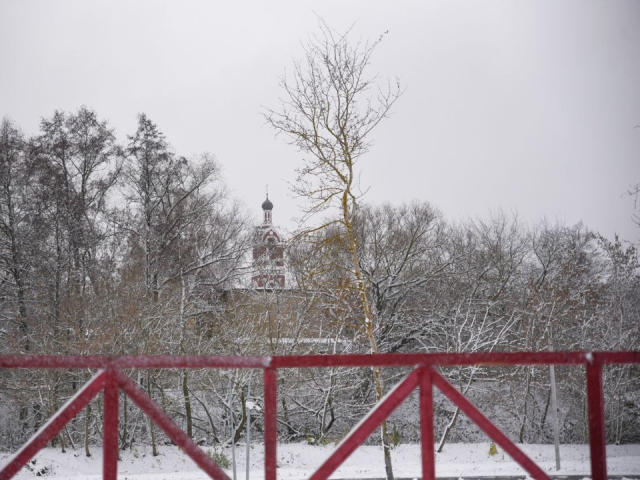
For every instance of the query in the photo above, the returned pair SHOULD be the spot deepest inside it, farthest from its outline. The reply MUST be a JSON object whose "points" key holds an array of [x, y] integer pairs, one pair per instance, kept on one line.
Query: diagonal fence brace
{"points": [[56, 423], [173, 431], [367, 425], [485, 424]]}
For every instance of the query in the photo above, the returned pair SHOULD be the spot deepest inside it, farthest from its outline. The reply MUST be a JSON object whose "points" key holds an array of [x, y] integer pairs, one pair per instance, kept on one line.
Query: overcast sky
{"points": [[528, 106]]}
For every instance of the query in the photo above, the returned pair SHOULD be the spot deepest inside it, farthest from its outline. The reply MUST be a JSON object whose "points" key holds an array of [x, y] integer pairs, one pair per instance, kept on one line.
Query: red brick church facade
{"points": [[268, 253]]}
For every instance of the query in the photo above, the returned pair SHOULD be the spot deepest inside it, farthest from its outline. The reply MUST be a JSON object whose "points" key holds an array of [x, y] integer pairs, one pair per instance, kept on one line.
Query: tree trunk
{"points": [[87, 424], [152, 427], [348, 211], [125, 424], [187, 403], [543, 421], [327, 407], [285, 408], [526, 402], [463, 389], [23, 417], [214, 430], [63, 444], [448, 429], [238, 431]]}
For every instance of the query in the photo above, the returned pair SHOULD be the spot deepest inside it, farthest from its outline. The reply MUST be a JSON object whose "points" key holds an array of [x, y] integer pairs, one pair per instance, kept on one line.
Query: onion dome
{"points": [[267, 205]]}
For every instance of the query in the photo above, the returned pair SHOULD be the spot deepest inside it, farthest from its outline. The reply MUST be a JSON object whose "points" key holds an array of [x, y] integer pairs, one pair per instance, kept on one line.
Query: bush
{"points": [[493, 450], [220, 458]]}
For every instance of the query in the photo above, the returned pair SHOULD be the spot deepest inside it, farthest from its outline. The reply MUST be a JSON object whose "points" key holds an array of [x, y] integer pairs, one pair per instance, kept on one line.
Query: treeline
{"points": [[489, 285], [134, 249], [93, 230], [103, 250]]}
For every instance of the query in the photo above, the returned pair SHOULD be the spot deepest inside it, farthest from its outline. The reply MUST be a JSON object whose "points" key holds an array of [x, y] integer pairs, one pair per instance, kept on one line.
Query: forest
{"points": [[132, 249]]}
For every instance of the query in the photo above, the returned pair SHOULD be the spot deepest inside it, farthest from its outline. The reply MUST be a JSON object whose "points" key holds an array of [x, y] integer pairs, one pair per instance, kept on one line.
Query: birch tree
{"points": [[330, 108]]}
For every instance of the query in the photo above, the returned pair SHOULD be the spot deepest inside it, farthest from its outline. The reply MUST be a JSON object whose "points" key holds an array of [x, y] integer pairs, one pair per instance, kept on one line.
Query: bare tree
{"points": [[634, 191], [331, 106], [403, 254], [477, 306], [18, 226]]}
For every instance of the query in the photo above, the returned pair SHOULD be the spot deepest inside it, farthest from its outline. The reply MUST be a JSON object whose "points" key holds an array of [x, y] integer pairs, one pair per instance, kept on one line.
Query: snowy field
{"points": [[298, 461]]}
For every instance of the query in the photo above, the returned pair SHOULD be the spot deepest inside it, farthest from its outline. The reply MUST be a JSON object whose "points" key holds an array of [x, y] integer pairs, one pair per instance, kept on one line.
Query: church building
{"points": [[272, 316], [268, 253]]}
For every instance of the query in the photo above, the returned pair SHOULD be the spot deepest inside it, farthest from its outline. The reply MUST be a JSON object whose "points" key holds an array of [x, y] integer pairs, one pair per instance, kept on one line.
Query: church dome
{"points": [[267, 205]]}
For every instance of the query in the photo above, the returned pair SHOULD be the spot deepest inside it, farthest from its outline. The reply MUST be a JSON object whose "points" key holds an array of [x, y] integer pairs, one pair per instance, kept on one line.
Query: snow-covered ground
{"points": [[298, 461]]}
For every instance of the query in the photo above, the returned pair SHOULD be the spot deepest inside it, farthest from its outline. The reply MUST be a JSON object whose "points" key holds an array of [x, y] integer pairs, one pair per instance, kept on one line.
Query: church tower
{"points": [[268, 253]]}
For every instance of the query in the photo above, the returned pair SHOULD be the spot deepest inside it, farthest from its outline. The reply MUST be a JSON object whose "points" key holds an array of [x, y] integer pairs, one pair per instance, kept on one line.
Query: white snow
{"points": [[299, 461]]}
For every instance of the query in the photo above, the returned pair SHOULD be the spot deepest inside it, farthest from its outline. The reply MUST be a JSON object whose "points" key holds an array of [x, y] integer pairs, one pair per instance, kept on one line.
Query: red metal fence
{"points": [[111, 379]]}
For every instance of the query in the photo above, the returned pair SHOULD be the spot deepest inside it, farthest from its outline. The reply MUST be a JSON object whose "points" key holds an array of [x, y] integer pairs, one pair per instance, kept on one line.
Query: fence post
{"points": [[270, 423], [110, 446], [426, 424], [596, 421]]}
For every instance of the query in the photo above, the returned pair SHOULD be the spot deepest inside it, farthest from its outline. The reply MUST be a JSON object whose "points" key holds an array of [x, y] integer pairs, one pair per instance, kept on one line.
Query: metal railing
{"points": [[111, 379]]}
